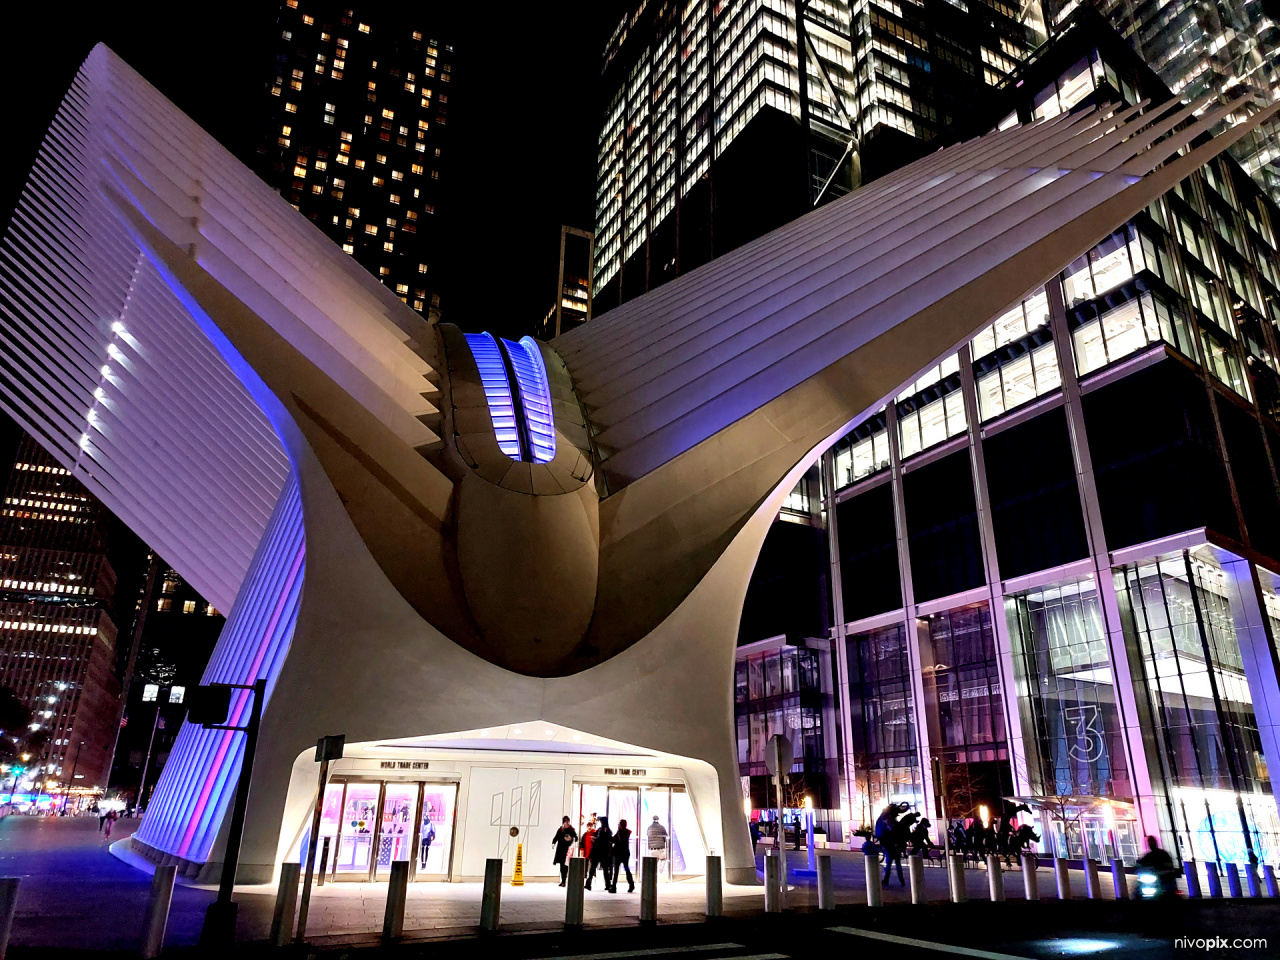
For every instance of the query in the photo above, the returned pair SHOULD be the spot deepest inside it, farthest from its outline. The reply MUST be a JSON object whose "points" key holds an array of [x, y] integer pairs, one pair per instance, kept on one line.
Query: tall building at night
{"points": [[1227, 49], [1056, 555], [722, 121], [573, 301], [58, 618], [356, 133]]}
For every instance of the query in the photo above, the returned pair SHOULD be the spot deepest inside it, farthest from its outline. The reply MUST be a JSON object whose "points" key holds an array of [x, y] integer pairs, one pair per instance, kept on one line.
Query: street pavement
{"points": [[76, 896]]}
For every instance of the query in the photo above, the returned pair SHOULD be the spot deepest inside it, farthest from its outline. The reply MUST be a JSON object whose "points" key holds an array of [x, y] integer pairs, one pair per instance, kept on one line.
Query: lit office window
{"points": [[164, 604], [150, 692], [1131, 327], [188, 606], [177, 694]]}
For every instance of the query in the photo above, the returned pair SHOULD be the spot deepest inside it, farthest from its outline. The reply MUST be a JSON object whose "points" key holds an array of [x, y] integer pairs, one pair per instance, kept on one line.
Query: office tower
{"points": [[573, 301], [1225, 49], [724, 120], [58, 620], [1058, 551], [356, 133]]}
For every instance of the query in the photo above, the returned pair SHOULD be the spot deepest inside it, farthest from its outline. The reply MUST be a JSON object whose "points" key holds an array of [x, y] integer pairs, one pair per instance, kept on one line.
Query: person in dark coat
{"points": [[602, 855], [565, 838], [622, 856]]}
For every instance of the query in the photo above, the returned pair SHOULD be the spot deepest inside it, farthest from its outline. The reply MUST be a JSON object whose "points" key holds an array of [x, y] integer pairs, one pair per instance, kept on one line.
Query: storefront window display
{"points": [[684, 852], [1178, 612]]}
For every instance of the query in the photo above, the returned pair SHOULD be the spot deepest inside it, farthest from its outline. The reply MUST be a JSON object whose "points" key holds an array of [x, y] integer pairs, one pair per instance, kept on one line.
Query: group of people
{"points": [[606, 850], [1003, 837]]}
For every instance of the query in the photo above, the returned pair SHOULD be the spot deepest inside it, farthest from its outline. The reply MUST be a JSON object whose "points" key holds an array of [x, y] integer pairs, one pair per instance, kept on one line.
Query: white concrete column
{"points": [[848, 778]]}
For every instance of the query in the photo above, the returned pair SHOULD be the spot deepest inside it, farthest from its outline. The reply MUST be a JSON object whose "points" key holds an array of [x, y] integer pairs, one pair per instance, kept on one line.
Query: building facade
{"points": [[1225, 49], [573, 302], [1054, 556], [59, 649], [723, 121], [356, 134]]}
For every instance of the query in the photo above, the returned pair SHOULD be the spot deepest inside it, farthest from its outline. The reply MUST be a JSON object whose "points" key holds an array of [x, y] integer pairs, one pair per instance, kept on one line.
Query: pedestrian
{"points": [[622, 856], [589, 837], [565, 838], [102, 818], [602, 855], [754, 827], [111, 819], [656, 839]]}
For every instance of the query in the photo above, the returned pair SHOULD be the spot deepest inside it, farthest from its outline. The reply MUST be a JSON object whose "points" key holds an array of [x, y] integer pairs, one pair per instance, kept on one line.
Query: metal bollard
{"points": [[1269, 878], [1092, 886], [324, 862], [8, 903], [1251, 880], [286, 904], [1063, 878], [491, 898], [1233, 879], [826, 883], [995, 878], [772, 885], [1030, 876], [573, 891], [157, 917], [915, 868], [1119, 879], [397, 894], [955, 875], [1212, 880], [648, 889], [715, 887], [871, 865], [1192, 876]]}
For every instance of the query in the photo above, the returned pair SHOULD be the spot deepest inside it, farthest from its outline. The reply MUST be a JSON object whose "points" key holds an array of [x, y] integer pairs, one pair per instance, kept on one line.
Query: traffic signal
{"points": [[209, 705]]}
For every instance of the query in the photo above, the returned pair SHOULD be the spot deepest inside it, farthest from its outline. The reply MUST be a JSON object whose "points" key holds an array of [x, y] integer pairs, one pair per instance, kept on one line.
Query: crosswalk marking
{"points": [[925, 944], [664, 951]]}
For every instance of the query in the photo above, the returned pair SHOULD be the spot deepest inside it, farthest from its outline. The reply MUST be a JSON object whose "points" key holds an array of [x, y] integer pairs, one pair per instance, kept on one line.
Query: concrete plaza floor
{"points": [[76, 895]]}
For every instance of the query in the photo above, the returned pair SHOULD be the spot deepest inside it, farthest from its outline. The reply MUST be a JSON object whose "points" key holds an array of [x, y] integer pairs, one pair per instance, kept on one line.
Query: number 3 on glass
{"points": [[1089, 746]]}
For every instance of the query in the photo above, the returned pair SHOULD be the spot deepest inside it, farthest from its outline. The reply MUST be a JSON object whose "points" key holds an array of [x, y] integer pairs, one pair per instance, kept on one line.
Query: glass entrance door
{"points": [[433, 859], [353, 859], [678, 845], [396, 825]]}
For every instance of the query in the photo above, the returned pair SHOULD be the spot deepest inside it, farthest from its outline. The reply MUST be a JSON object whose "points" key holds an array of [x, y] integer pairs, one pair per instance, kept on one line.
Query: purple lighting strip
{"points": [[199, 780]]}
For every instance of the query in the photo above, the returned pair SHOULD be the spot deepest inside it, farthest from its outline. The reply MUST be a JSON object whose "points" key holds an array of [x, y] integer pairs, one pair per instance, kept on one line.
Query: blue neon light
{"points": [[497, 391], [535, 397]]}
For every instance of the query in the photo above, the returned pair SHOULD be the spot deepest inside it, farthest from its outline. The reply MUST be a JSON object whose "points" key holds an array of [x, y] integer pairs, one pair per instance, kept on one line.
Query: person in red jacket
{"points": [[589, 837]]}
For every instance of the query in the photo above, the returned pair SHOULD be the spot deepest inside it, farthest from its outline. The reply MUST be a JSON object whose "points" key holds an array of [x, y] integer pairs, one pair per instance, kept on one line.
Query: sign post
{"points": [[327, 748], [778, 757]]}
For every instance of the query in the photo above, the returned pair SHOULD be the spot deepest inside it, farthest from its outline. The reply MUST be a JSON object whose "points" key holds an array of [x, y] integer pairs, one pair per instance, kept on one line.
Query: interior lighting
{"points": [[517, 730], [984, 815], [117, 327]]}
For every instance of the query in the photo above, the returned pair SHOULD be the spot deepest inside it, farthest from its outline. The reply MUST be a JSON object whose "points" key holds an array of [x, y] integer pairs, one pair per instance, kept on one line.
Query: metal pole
{"points": [[324, 863], [1119, 882], [772, 901], [75, 763], [826, 883], [1063, 877], [782, 841], [146, 765], [915, 869], [573, 892], [157, 916], [648, 889], [1030, 877], [1092, 888], [8, 904], [871, 867], [995, 878], [220, 919], [286, 902], [397, 894], [313, 842], [491, 898], [715, 888], [808, 826]]}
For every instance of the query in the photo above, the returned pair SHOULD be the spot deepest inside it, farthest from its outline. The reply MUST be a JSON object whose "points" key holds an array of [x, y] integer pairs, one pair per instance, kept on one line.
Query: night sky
{"points": [[523, 112]]}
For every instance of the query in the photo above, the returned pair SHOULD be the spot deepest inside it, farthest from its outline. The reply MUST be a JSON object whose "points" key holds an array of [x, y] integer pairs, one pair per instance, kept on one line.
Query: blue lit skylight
{"points": [[497, 390], [535, 397]]}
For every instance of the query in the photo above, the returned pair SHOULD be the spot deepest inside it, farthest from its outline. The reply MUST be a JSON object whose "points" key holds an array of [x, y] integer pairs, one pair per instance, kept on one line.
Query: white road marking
{"points": [[663, 951], [926, 944]]}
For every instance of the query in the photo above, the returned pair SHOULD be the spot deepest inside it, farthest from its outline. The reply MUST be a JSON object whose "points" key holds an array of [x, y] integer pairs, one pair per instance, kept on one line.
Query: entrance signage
{"points": [[405, 765]]}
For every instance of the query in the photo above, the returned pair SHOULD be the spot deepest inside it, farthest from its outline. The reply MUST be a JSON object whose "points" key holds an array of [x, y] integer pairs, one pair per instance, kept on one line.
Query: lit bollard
{"points": [[1030, 876], [397, 894], [8, 903], [1251, 880], [286, 904], [995, 878], [1233, 879], [1092, 886], [1191, 874], [157, 917], [648, 889], [915, 869], [772, 883], [1269, 880], [324, 862], [1119, 879], [871, 864], [491, 898], [1213, 881], [573, 891], [826, 883], [955, 876], [715, 887], [1063, 876]]}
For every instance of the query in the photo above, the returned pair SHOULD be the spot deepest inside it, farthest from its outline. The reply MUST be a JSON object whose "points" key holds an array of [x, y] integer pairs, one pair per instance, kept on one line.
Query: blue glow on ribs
{"points": [[535, 397]]}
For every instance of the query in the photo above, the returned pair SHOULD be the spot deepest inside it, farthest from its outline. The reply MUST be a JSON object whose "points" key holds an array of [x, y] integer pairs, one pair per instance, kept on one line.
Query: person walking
{"points": [[589, 838], [111, 819], [565, 838], [602, 855], [622, 856], [656, 839], [102, 818]]}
